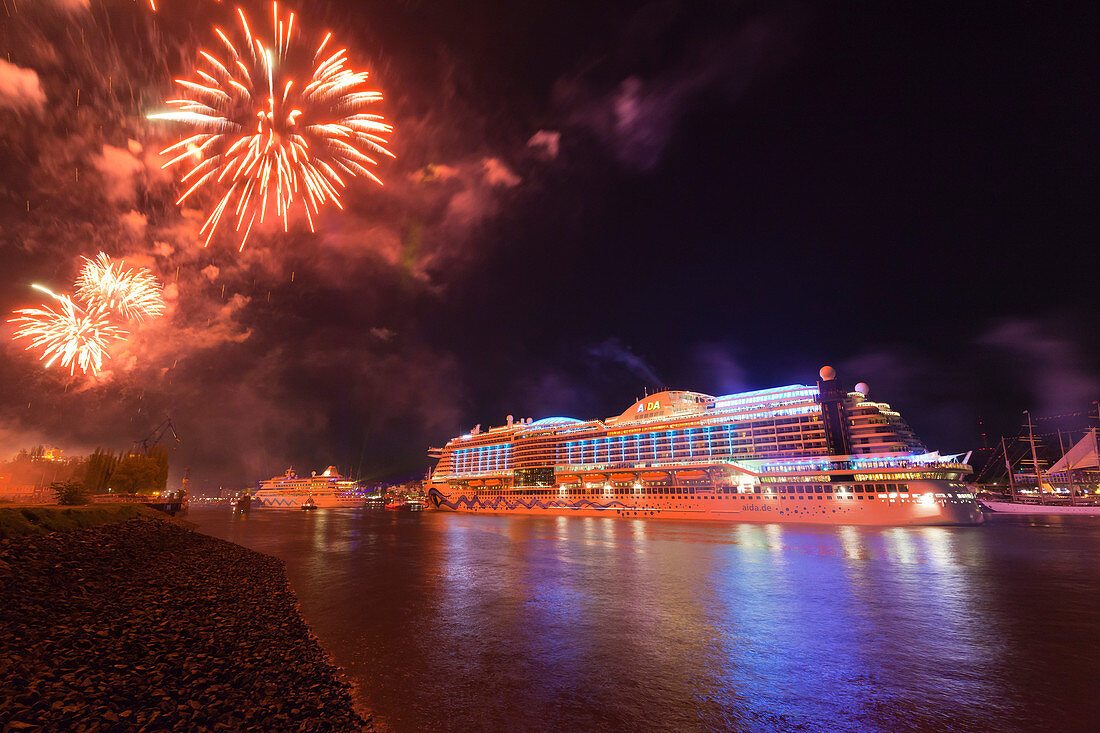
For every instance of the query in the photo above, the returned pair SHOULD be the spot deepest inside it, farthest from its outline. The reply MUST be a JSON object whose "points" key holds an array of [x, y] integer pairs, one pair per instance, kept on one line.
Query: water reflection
{"points": [[480, 622]]}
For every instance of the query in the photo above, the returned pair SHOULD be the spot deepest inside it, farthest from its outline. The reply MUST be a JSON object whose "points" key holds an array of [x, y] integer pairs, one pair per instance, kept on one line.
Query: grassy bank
{"points": [[16, 521]]}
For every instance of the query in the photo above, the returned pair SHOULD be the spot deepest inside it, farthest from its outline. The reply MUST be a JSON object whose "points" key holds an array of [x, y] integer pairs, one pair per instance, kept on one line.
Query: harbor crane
{"points": [[154, 438]]}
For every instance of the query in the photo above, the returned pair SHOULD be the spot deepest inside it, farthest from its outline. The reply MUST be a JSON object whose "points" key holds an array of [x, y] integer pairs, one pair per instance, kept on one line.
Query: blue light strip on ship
{"points": [[793, 391]]}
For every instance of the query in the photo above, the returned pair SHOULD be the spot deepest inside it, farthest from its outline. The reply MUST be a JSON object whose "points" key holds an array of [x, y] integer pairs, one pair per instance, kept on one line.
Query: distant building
{"points": [[50, 453], [22, 494]]}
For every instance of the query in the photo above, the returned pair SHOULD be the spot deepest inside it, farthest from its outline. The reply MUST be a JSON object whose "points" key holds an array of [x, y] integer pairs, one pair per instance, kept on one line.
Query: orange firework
{"points": [[69, 334], [132, 293], [265, 139]]}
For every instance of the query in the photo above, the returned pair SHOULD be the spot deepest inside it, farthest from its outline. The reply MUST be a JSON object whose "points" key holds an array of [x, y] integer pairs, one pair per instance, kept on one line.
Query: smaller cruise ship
{"points": [[328, 489]]}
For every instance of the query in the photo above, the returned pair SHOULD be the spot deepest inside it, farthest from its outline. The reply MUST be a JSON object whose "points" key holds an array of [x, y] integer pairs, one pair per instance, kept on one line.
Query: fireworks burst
{"points": [[262, 138], [132, 293], [74, 336]]}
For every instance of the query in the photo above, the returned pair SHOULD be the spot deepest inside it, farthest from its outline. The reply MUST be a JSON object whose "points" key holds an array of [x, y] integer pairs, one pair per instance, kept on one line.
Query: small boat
{"points": [[409, 505], [243, 502], [309, 504]]}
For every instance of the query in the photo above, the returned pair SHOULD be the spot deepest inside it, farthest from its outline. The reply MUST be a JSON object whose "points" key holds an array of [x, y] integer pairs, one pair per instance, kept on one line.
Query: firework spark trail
{"points": [[265, 139], [154, 8], [132, 293], [74, 336]]}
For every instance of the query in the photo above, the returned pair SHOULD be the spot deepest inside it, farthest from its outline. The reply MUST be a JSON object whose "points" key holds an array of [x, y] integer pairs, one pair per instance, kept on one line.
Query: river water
{"points": [[476, 622]]}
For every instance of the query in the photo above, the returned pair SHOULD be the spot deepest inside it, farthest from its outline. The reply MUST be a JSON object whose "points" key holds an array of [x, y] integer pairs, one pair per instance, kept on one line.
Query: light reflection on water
{"points": [[464, 622]]}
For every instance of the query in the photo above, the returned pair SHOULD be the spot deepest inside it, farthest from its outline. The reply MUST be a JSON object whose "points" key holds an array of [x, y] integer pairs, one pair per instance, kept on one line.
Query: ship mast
{"points": [[1069, 469], [1035, 459], [1008, 465]]}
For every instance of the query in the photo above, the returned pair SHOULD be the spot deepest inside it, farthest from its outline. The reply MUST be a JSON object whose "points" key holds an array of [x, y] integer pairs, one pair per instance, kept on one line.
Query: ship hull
{"points": [[760, 508], [295, 501], [1004, 507]]}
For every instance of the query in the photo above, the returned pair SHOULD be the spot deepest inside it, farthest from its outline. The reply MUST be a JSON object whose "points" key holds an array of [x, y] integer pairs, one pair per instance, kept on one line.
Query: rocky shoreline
{"points": [[144, 625]]}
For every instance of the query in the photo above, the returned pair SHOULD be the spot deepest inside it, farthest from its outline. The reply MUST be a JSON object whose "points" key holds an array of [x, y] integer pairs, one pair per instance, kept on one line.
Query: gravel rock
{"points": [[144, 625]]}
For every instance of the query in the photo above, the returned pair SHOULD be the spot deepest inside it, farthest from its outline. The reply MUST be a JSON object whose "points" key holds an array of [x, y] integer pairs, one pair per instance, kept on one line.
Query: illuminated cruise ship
{"points": [[328, 489], [817, 454]]}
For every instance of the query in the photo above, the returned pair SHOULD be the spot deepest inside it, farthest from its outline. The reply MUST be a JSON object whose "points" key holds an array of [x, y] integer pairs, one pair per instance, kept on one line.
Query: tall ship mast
{"points": [[818, 454]]}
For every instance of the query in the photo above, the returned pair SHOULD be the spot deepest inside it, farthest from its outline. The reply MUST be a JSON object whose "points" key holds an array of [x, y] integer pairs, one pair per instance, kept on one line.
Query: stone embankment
{"points": [[144, 625]]}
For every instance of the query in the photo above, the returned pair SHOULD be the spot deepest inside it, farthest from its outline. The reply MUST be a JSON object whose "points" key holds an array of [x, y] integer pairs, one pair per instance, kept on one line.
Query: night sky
{"points": [[589, 200]]}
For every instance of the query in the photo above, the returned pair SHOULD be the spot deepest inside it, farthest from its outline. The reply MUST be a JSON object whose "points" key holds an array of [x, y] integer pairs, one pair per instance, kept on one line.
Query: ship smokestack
{"points": [[833, 413], [510, 418]]}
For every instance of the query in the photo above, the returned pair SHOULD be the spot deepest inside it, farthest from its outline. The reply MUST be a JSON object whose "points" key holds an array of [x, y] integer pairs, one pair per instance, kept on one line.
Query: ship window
{"points": [[859, 489], [818, 489], [891, 487], [828, 489]]}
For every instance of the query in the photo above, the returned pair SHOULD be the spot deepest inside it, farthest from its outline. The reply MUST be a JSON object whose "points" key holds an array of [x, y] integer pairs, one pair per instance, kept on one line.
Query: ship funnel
{"points": [[510, 418]]}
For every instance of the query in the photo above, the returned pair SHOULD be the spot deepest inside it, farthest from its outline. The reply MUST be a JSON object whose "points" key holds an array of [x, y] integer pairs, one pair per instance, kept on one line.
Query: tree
{"points": [[159, 455], [141, 473], [98, 472], [69, 492]]}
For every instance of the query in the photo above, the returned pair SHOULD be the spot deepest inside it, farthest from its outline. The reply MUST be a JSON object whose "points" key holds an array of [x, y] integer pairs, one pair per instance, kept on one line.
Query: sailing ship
{"points": [[1083, 455]]}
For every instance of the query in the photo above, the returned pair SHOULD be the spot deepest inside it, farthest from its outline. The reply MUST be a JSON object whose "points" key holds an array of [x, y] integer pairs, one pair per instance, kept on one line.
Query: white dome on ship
{"points": [[549, 422]]}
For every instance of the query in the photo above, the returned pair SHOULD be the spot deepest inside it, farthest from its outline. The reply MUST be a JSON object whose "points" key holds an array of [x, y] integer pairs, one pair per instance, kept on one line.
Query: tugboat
{"points": [[309, 505]]}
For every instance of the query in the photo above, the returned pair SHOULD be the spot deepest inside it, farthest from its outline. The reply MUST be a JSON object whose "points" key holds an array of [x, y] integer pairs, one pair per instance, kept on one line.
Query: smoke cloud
{"points": [[20, 88], [637, 113], [304, 348]]}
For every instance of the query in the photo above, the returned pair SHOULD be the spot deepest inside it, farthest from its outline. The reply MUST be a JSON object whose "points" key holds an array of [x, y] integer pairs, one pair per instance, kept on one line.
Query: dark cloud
{"points": [[1046, 358], [635, 108], [944, 389], [717, 370], [612, 351]]}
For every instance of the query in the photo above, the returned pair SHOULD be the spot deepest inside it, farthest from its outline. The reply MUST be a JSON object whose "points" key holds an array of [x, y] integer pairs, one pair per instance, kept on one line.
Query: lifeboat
{"points": [[568, 478], [492, 482], [476, 483], [594, 477], [624, 477], [691, 474], [655, 476]]}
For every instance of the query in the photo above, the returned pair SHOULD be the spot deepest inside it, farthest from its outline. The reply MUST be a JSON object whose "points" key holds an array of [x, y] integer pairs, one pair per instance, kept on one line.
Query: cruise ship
{"points": [[328, 489], [818, 454]]}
